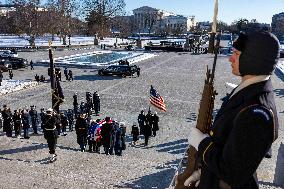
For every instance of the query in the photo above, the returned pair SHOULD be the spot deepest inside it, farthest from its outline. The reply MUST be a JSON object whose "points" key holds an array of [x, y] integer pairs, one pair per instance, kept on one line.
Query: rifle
{"points": [[204, 121]]}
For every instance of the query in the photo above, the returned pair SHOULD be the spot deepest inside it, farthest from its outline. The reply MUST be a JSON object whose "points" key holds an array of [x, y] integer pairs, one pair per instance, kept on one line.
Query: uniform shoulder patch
{"points": [[262, 111]]}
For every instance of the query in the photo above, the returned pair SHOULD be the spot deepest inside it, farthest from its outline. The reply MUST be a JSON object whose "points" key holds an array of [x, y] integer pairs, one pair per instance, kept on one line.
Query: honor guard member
{"points": [[89, 103], [155, 120], [106, 133], [70, 75], [246, 124], [75, 104], [17, 118], [70, 117], [33, 115], [141, 121], [64, 123], [50, 133], [117, 140], [81, 128], [26, 123], [7, 121], [42, 115], [135, 133], [97, 103], [123, 135], [66, 73]]}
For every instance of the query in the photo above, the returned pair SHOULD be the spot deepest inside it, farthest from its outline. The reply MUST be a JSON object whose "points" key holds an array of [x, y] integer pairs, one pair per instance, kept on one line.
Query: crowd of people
{"points": [[106, 133]]}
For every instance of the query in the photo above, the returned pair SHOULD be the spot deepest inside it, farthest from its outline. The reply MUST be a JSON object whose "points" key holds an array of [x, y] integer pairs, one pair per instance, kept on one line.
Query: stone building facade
{"points": [[152, 20]]}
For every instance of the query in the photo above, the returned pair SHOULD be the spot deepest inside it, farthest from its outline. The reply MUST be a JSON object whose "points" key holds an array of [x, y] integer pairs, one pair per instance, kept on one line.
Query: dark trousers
{"points": [[17, 129], [70, 125], [34, 125], [26, 132], [146, 140], [52, 145]]}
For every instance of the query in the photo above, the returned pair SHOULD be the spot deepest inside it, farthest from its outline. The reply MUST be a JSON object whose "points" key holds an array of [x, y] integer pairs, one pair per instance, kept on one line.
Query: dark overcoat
{"points": [[242, 133]]}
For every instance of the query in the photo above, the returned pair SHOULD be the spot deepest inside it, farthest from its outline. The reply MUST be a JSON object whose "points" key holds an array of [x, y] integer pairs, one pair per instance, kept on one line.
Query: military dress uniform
{"points": [[242, 133], [33, 115], [50, 132]]}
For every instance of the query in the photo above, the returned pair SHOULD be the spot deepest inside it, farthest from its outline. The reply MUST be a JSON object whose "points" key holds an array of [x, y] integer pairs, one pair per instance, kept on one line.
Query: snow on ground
{"points": [[8, 86], [16, 41]]}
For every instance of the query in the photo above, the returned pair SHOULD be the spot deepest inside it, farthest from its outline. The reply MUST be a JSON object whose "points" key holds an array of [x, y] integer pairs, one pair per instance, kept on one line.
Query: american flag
{"points": [[157, 100]]}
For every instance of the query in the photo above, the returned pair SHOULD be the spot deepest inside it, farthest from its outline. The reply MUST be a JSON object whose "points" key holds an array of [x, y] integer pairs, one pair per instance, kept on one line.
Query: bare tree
{"points": [[99, 13]]}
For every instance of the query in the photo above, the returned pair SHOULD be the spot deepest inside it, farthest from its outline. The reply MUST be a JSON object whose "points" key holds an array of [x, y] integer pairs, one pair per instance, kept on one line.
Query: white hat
{"points": [[49, 110]]}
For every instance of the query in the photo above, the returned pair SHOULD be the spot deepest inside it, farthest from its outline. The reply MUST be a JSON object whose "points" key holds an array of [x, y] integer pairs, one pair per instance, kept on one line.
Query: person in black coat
{"points": [[7, 121], [135, 133], [17, 118], [26, 123], [50, 132], [141, 121], [75, 104], [155, 120], [96, 103], [107, 131], [81, 128], [33, 115], [246, 124]]}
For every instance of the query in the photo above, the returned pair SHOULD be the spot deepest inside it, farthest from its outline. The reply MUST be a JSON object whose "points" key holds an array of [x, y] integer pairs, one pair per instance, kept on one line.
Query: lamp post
{"points": [[214, 30]]}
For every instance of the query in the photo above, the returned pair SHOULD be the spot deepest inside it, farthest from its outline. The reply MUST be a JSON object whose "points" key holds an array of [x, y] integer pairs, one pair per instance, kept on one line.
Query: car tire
{"points": [[101, 73], [123, 75]]}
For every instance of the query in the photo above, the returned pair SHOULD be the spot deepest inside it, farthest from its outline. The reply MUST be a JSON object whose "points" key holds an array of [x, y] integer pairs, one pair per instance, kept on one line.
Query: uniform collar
{"points": [[246, 83]]}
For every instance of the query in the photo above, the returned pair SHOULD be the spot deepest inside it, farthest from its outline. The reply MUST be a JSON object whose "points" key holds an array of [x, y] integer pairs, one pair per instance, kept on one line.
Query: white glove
{"points": [[194, 177], [195, 137]]}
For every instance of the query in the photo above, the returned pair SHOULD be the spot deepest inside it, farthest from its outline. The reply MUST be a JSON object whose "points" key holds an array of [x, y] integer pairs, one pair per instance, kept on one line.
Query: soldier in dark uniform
{"points": [[106, 133], [64, 123], [149, 119], [66, 73], [155, 120], [97, 103], [58, 124], [147, 132], [7, 121], [70, 75], [89, 103], [246, 124], [75, 104], [50, 133], [42, 115], [141, 121], [70, 117], [17, 118], [117, 140], [81, 128], [10, 73], [33, 115], [123, 135], [26, 123], [135, 133]]}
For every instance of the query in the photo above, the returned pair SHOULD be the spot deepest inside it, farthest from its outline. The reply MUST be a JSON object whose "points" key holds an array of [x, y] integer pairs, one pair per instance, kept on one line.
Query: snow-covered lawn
{"points": [[16, 41], [8, 86]]}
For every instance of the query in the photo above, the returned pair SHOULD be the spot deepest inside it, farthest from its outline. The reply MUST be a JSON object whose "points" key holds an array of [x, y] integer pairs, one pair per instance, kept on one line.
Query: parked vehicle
{"points": [[9, 54], [16, 63], [121, 70]]}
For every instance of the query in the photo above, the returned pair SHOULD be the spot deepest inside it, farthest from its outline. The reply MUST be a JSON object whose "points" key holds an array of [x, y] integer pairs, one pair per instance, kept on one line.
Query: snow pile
{"points": [[8, 86]]}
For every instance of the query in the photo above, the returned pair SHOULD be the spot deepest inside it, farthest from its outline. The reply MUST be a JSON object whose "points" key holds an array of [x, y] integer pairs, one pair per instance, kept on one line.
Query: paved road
{"points": [[178, 77]]}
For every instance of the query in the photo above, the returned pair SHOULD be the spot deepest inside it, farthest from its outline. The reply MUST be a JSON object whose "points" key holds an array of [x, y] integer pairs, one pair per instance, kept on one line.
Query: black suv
{"points": [[15, 63], [121, 70]]}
